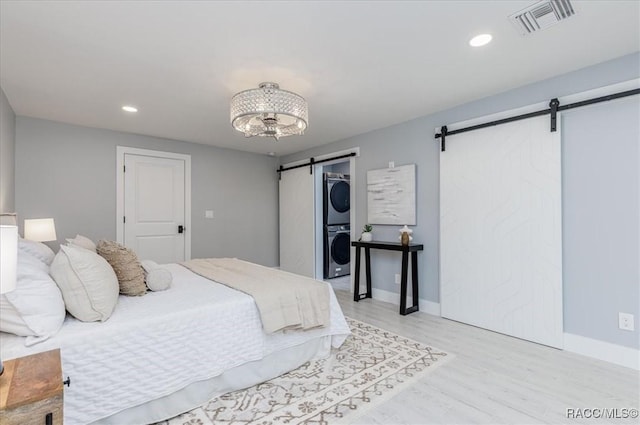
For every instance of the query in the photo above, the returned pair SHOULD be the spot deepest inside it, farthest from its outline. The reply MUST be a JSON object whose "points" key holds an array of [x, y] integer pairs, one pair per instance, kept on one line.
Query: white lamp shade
{"points": [[8, 258], [40, 230]]}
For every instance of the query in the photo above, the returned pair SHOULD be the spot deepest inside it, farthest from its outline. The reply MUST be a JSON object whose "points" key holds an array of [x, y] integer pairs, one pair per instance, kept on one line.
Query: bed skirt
{"points": [[243, 376]]}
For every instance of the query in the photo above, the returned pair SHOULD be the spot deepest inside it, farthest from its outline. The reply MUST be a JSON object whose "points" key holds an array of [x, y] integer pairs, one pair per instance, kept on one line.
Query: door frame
{"points": [[121, 151]]}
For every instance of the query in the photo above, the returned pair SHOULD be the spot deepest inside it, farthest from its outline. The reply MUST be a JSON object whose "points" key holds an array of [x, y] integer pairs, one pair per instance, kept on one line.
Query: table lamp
{"points": [[8, 262], [40, 230]]}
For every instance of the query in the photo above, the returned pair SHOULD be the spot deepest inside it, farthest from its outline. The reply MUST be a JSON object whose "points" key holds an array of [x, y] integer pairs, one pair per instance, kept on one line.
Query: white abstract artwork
{"points": [[391, 195]]}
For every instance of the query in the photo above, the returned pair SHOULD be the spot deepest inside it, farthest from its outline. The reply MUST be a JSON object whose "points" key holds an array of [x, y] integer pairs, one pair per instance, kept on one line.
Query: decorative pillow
{"points": [[35, 308], [82, 242], [88, 284], [37, 250], [157, 278], [126, 265], [27, 261]]}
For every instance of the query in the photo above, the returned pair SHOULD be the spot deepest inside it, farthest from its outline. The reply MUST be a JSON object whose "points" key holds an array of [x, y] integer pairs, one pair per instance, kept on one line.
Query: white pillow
{"points": [[26, 261], [82, 242], [35, 308], [149, 265], [156, 278], [88, 284], [36, 250]]}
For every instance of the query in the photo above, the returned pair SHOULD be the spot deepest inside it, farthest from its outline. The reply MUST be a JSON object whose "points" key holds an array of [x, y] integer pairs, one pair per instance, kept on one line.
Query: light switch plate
{"points": [[208, 214]]}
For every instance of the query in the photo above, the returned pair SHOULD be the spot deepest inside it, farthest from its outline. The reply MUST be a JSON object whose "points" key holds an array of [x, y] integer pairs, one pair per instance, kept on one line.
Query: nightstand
{"points": [[31, 390]]}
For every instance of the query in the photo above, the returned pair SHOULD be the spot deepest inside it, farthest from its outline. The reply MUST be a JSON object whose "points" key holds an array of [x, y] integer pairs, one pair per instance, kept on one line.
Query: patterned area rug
{"points": [[368, 368]]}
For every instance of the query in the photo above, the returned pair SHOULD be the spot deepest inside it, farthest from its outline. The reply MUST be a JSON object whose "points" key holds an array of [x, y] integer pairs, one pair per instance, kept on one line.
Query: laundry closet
{"points": [[316, 212], [336, 225]]}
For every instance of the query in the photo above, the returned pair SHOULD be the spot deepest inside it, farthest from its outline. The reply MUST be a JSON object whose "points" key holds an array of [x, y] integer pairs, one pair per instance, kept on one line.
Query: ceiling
{"points": [[362, 65]]}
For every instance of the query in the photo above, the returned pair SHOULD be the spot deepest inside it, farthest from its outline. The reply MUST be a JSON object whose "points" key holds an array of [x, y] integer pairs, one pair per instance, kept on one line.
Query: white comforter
{"points": [[157, 344]]}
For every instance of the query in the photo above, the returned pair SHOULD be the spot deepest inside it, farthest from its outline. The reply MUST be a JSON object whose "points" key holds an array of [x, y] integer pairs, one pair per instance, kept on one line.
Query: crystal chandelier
{"points": [[269, 112]]}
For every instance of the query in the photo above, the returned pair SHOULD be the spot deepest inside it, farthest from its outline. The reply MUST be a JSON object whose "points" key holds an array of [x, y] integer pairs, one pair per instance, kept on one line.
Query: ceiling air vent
{"points": [[541, 15]]}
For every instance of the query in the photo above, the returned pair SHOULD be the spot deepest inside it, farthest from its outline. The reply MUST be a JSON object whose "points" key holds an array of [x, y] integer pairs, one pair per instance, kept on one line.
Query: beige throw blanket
{"points": [[285, 300]]}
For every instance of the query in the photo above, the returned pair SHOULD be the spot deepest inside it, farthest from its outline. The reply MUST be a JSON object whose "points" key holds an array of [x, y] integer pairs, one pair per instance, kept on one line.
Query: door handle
{"points": [[181, 229]]}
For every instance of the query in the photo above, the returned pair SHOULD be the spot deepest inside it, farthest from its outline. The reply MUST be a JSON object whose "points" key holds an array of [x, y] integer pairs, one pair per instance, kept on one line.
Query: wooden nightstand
{"points": [[31, 390]]}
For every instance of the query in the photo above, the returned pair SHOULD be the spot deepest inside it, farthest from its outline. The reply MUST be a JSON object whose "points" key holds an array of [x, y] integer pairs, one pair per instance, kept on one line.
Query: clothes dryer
{"points": [[337, 193]]}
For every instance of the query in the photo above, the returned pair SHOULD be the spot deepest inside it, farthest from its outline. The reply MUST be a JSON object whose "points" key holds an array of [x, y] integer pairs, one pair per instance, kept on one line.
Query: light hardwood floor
{"points": [[494, 379], [342, 283]]}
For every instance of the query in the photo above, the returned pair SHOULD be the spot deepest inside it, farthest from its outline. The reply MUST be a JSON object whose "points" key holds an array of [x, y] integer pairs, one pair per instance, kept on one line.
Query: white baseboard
{"points": [[426, 306], [613, 353]]}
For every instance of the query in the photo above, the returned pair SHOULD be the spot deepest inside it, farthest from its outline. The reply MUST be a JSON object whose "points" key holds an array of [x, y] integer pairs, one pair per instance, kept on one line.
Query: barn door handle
{"points": [[181, 229]]}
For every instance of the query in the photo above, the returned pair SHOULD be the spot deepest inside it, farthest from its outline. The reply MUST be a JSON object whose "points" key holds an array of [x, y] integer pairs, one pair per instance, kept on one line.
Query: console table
{"points": [[390, 246]]}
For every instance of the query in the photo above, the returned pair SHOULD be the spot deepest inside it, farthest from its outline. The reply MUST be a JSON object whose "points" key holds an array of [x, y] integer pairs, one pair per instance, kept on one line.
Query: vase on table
{"points": [[405, 235]]}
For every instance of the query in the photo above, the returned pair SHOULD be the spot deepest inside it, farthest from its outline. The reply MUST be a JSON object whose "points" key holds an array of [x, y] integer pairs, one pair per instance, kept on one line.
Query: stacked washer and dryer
{"points": [[337, 228]]}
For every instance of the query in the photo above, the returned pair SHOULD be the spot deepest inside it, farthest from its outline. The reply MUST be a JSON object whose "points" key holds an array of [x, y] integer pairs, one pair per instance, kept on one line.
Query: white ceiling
{"points": [[361, 65]]}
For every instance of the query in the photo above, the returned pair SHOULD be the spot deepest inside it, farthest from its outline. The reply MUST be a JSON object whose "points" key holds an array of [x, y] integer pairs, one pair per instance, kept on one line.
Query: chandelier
{"points": [[269, 111]]}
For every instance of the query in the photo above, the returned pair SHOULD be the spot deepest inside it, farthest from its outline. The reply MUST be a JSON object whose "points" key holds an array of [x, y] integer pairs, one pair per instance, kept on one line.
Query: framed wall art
{"points": [[391, 195]]}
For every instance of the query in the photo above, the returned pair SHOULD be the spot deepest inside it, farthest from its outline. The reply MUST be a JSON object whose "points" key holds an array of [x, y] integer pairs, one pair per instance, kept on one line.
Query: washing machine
{"points": [[337, 250], [336, 198]]}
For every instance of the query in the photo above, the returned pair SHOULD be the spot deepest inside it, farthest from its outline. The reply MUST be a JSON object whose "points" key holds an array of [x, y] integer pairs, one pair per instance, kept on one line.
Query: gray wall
{"points": [[7, 154], [601, 218], [68, 172], [413, 142]]}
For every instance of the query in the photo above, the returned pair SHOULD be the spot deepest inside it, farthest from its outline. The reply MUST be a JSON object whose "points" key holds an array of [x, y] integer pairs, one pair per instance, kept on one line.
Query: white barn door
{"points": [[155, 209], [297, 231], [500, 230]]}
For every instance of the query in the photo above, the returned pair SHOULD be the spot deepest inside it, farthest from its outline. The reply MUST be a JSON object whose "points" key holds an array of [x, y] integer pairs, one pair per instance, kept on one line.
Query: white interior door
{"points": [[155, 207], [297, 234], [500, 230]]}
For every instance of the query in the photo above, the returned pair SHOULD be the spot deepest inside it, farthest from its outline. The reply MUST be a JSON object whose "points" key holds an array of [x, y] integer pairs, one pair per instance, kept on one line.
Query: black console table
{"points": [[390, 246]]}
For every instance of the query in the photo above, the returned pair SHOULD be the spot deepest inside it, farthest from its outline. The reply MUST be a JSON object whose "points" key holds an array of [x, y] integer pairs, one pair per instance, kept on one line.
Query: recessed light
{"points": [[128, 108], [271, 153], [480, 40]]}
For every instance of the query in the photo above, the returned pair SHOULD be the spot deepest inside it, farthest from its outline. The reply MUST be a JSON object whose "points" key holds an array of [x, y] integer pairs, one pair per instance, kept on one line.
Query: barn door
{"points": [[500, 230], [297, 231]]}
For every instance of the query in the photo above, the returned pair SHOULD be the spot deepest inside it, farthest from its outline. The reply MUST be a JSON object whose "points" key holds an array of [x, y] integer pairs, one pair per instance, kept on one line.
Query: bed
{"points": [[168, 352]]}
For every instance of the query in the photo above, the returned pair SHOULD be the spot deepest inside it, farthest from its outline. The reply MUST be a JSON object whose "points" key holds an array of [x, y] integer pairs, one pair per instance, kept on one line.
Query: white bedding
{"points": [[157, 344]]}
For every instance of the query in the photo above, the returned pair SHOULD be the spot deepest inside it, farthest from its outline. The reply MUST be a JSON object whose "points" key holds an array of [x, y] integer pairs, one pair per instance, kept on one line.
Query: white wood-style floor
{"points": [[342, 283], [495, 379]]}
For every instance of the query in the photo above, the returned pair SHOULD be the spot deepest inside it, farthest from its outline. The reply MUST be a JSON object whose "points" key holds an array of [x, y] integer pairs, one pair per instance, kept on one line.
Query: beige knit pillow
{"points": [[126, 265]]}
